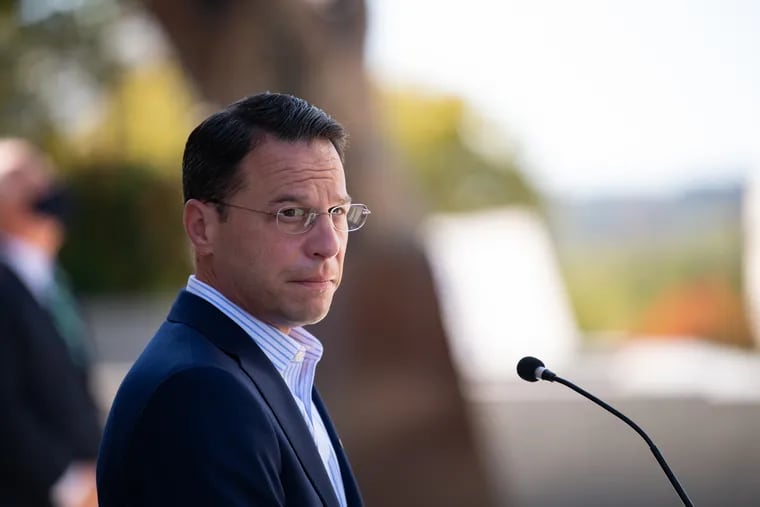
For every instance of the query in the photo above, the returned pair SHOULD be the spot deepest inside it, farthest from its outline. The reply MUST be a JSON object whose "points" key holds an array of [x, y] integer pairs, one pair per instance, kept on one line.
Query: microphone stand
{"points": [[663, 464]]}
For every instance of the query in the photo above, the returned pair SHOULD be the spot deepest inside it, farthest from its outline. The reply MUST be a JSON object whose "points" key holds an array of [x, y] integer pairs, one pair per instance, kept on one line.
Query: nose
{"points": [[322, 239]]}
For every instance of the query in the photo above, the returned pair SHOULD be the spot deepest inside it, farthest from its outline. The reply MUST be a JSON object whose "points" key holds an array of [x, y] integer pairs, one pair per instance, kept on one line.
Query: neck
{"points": [[49, 244]]}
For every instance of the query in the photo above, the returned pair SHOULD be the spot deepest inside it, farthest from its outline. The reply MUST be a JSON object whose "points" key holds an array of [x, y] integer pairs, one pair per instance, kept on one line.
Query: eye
{"points": [[292, 213], [338, 210]]}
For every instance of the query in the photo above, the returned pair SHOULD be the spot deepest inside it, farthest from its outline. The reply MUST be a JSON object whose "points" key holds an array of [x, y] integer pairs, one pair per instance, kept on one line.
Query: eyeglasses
{"points": [[296, 220]]}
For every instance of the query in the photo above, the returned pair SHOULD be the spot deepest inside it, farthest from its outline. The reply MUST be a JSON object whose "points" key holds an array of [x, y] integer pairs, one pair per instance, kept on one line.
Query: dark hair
{"points": [[215, 148]]}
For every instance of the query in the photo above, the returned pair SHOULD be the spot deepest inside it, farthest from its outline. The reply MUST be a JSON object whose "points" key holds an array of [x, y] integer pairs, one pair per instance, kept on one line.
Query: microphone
{"points": [[532, 369]]}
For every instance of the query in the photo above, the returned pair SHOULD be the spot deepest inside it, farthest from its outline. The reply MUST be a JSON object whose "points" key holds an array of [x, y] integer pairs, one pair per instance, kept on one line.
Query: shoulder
{"points": [[204, 417], [200, 439], [179, 374], [19, 311], [206, 410], [10, 285], [204, 402], [199, 388]]}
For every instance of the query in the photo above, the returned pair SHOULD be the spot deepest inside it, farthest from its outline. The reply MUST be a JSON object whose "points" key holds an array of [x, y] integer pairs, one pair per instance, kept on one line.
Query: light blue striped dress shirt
{"points": [[295, 356]]}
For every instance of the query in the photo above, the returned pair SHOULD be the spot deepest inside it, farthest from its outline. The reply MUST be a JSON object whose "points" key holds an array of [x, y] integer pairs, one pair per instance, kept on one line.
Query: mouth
{"points": [[315, 283]]}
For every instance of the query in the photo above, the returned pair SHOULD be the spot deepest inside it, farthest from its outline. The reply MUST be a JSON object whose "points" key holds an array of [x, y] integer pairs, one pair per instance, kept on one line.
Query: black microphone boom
{"points": [[532, 369]]}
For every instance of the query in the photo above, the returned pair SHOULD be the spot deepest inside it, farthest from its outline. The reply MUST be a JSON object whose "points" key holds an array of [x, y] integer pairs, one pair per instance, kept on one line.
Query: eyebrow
{"points": [[300, 199]]}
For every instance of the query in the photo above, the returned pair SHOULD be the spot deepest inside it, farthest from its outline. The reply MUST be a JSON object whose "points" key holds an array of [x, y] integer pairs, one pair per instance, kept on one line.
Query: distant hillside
{"points": [[662, 265], [612, 221]]}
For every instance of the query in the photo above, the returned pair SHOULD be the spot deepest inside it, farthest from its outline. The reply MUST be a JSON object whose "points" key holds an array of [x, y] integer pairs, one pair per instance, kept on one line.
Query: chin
{"points": [[314, 316]]}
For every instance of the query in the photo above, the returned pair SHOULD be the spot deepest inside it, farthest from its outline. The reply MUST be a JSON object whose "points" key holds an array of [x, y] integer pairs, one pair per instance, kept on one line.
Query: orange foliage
{"points": [[706, 307]]}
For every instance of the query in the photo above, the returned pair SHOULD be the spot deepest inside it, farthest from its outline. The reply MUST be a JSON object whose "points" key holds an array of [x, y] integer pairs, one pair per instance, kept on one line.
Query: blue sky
{"points": [[600, 97]]}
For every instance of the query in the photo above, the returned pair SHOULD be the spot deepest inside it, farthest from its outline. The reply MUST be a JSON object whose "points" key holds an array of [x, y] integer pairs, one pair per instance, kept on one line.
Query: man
{"points": [[49, 427], [220, 407]]}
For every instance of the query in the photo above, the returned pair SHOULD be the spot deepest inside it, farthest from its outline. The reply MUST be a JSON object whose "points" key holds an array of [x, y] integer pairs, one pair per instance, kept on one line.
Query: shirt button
{"points": [[300, 355]]}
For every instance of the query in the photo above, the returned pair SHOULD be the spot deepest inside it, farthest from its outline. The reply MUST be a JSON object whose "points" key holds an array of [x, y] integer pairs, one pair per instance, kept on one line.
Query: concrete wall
{"points": [[563, 450]]}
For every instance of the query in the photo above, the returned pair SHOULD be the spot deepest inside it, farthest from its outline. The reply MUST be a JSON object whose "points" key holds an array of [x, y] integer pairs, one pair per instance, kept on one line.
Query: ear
{"points": [[201, 222]]}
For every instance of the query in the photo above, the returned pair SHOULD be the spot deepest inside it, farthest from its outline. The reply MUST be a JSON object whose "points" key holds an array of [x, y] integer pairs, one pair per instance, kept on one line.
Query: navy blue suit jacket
{"points": [[48, 418], [203, 418]]}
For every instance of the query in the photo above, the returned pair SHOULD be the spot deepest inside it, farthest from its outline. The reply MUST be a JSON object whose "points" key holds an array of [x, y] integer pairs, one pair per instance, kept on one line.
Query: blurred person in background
{"points": [[49, 422], [221, 408]]}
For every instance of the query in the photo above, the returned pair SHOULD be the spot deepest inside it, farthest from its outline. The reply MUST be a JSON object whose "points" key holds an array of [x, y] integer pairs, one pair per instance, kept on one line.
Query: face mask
{"points": [[56, 203]]}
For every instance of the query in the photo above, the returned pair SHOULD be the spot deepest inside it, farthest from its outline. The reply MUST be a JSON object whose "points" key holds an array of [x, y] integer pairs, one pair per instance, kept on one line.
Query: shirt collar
{"points": [[282, 349], [32, 265]]}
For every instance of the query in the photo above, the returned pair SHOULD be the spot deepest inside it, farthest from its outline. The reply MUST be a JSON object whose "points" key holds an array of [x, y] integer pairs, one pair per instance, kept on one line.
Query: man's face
{"points": [[25, 177], [283, 279]]}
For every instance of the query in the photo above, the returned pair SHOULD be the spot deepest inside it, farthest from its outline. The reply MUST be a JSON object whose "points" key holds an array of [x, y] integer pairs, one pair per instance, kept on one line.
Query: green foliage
{"points": [[613, 285], [49, 61], [126, 233], [431, 133], [117, 132]]}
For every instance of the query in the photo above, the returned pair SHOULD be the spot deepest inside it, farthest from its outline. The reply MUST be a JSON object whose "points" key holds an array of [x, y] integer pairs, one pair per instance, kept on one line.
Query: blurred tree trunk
{"points": [[387, 374]]}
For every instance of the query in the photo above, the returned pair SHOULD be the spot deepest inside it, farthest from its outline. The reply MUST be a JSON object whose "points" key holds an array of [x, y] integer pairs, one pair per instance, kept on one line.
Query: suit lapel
{"points": [[350, 486], [228, 336]]}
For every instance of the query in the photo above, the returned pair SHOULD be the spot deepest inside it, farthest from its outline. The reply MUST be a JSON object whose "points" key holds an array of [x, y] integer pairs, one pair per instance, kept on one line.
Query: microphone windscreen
{"points": [[527, 366]]}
